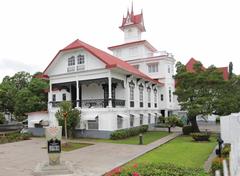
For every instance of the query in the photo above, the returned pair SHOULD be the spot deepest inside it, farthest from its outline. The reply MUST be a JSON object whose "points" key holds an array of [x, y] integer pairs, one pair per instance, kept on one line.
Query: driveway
{"points": [[20, 158]]}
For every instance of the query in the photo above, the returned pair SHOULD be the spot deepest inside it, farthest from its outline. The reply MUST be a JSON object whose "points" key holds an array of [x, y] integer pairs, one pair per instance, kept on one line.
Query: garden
{"points": [[14, 137], [183, 156]]}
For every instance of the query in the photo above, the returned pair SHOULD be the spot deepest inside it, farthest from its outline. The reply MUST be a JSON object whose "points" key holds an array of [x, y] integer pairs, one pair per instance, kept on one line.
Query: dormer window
{"points": [[80, 59], [71, 61]]}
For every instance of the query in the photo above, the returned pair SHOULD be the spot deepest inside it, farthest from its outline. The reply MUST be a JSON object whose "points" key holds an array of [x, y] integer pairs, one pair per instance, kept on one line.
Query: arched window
{"points": [[71, 61]]}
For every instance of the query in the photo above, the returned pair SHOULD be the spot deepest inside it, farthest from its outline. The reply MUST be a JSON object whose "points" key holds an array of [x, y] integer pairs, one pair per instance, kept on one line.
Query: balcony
{"points": [[93, 103]]}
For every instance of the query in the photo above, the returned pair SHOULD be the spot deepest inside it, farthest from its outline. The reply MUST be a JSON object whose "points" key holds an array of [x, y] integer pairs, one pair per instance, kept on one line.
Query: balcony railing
{"points": [[93, 103]]}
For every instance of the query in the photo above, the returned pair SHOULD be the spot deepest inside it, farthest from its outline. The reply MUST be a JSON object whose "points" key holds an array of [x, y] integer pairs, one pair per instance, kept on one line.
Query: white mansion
{"points": [[132, 87]]}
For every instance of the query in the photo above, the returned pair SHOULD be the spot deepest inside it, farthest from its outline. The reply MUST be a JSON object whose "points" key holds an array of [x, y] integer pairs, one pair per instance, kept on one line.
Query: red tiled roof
{"points": [[145, 42], [192, 61], [109, 60], [135, 20], [224, 71], [190, 65]]}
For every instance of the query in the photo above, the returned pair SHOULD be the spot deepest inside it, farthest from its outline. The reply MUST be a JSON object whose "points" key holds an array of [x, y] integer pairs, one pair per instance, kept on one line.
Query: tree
{"points": [[198, 91], [21, 94], [73, 116], [26, 101], [228, 100], [230, 68], [173, 121], [2, 118]]}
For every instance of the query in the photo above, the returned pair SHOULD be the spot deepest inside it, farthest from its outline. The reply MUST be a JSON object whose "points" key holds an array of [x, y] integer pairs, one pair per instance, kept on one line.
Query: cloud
{"points": [[10, 67]]}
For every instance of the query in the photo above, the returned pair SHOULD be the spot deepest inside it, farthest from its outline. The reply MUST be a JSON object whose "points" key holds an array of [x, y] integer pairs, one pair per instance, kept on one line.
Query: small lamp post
{"points": [[140, 139], [65, 124], [219, 150]]}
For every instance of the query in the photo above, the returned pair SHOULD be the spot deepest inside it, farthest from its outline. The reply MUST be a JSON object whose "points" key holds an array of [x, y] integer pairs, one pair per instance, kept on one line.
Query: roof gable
{"points": [[109, 60]]}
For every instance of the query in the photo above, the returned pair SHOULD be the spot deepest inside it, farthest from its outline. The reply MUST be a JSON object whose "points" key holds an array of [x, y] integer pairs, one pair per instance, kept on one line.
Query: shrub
{"points": [[156, 169], [2, 118], [124, 133], [226, 150], [200, 136], [187, 130], [217, 165], [218, 120]]}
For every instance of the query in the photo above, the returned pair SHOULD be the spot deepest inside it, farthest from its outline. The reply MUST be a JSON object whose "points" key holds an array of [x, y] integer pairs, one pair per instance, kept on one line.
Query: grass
{"points": [[73, 146], [182, 151], [148, 137]]}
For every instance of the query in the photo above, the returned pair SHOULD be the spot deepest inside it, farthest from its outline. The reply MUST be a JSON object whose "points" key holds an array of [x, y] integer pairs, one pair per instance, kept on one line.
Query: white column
{"points": [[109, 90], [166, 113], [77, 87], [50, 95]]}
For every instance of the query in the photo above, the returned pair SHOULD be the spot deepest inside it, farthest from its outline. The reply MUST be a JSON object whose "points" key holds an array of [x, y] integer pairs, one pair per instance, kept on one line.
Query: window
{"points": [[119, 122], [141, 119], [131, 120], [80, 59], [149, 118], [161, 97], [71, 61], [64, 97], [149, 96], [54, 97], [170, 95], [152, 68], [169, 70], [93, 124], [141, 95], [155, 97], [131, 86]]}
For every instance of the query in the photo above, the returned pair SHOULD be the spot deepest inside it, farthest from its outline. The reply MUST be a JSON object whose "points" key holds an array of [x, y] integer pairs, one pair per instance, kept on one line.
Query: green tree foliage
{"points": [[73, 116], [228, 100], [21, 93], [230, 68], [173, 121], [2, 118], [198, 92]]}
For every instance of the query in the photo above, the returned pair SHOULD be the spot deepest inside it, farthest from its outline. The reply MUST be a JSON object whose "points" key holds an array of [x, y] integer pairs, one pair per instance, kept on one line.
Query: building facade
{"points": [[132, 87]]}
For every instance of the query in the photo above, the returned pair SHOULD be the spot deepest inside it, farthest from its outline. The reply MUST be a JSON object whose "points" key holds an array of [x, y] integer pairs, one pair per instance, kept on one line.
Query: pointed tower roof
{"points": [[132, 19]]}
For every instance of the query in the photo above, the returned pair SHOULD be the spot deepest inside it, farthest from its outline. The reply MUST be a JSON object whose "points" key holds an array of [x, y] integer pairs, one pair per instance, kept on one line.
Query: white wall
{"points": [[34, 118], [125, 53], [59, 94], [60, 65], [230, 130], [92, 91]]}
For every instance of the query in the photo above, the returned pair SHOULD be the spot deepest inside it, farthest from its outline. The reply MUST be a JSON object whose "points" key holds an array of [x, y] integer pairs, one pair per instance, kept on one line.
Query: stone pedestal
{"points": [[44, 169], [54, 166]]}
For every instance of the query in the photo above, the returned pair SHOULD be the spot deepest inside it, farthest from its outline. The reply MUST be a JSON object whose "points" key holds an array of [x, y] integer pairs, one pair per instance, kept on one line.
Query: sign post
{"points": [[54, 136]]}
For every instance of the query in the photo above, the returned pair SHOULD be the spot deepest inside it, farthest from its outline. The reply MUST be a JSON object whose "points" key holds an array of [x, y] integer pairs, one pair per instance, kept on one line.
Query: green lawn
{"points": [[73, 146], [181, 151], [148, 137]]}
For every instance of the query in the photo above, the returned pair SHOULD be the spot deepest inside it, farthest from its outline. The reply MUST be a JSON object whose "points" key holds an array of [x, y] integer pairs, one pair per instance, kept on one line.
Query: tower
{"points": [[132, 26]]}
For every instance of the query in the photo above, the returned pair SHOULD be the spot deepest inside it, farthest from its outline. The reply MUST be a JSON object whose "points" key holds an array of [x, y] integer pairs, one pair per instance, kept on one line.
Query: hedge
{"points": [[156, 169], [14, 137], [187, 129], [125, 133], [200, 136]]}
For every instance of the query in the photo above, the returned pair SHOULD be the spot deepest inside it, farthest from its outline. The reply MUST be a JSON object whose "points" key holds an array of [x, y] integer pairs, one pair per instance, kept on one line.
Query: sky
{"points": [[33, 31]]}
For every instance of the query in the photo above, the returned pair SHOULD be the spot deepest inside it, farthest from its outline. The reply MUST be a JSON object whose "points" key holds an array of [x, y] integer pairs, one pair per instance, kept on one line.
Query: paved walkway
{"points": [[20, 158]]}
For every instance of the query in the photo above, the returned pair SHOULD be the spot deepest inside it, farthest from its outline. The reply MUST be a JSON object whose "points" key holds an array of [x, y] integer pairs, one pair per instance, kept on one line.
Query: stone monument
{"points": [[54, 166]]}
